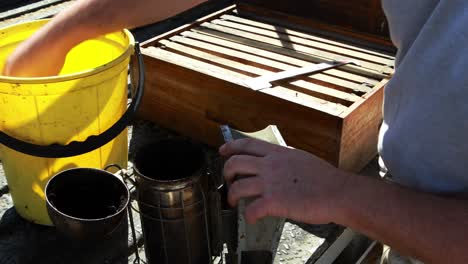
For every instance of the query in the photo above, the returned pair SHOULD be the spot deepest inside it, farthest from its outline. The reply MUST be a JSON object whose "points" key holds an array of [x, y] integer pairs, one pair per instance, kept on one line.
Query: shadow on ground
{"points": [[22, 242]]}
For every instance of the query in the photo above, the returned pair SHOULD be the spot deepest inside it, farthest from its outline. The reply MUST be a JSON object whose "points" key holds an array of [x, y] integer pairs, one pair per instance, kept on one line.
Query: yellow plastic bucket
{"points": [[60, 115]]}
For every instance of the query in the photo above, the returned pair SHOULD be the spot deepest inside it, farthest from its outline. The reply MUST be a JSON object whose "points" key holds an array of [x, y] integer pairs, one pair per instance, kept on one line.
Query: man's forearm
{"points": [[90, 18], [84, 19], [430, 228]]}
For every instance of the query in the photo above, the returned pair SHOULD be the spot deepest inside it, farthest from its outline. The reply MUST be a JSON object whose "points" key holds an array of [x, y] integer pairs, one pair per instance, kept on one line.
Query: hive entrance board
{"points": [[196, 79]]}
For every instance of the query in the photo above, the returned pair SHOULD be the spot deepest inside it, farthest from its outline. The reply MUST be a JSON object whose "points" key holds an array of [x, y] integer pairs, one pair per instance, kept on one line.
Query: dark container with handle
{"points": [[86, 203]]}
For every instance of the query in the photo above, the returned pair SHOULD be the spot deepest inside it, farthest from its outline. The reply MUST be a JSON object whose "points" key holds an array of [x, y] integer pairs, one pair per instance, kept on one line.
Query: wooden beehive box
{"points": [[196, 74], [359, 16]]}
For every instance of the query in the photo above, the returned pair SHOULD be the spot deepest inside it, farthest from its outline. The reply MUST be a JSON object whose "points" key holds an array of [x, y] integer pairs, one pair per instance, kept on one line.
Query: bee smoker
{"points": [[172, 203], [184, 212]]}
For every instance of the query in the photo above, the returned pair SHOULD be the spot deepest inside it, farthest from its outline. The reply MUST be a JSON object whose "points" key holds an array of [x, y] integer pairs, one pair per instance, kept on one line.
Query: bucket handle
{"points": [[124, 176], [93, 142]]}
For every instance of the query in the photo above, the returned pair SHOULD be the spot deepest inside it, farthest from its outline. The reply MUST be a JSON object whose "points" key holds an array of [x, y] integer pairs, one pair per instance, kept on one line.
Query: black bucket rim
{"points": [[123, 208], [177, 183]]}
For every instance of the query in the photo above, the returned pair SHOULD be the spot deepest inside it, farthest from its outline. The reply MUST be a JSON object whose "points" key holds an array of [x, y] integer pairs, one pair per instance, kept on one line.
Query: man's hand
{"points": [[286, 182], [39, 56], [297, 185]]}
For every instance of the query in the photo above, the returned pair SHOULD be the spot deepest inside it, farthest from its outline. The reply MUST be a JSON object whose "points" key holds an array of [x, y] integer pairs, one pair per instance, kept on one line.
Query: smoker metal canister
{"points": [[172, 202]]}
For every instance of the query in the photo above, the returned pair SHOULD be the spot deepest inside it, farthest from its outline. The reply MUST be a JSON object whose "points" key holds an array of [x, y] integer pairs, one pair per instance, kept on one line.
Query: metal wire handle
{"points": [[125, 177], [183, 207], [91, 143]]}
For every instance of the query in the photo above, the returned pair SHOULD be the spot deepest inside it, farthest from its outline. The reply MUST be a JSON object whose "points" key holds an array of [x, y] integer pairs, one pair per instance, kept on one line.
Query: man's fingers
{"points": [[257, 210], [243, 188], [240, 165], [247, 146]]}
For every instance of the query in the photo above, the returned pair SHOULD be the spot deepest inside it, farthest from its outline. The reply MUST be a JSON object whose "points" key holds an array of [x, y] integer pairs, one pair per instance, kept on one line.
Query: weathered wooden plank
{"points": [[266, 63], [303, 86], [239, 79], [42, 13], [263, 82], [327, 80], [301, 98], [22, 10], [239, 55], [195, 65], [293, 46], [212, 58], [345, 79], [210, 29], [311, 25], [185, 27], [357, 15], [323, 92], [283, 36], [361, 128], [288, 31]]}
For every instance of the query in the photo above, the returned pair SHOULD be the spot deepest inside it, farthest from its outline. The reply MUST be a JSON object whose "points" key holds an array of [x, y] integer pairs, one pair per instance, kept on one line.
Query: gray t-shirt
{"points": [[424, 138]]}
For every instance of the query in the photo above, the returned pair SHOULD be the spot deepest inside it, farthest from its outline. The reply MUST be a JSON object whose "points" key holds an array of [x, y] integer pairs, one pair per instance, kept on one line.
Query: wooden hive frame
{"points": [[195, 81]]}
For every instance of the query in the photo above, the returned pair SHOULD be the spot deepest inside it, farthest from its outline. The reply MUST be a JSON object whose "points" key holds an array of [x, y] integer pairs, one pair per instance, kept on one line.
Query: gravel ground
{"points": [[297, 245]]}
